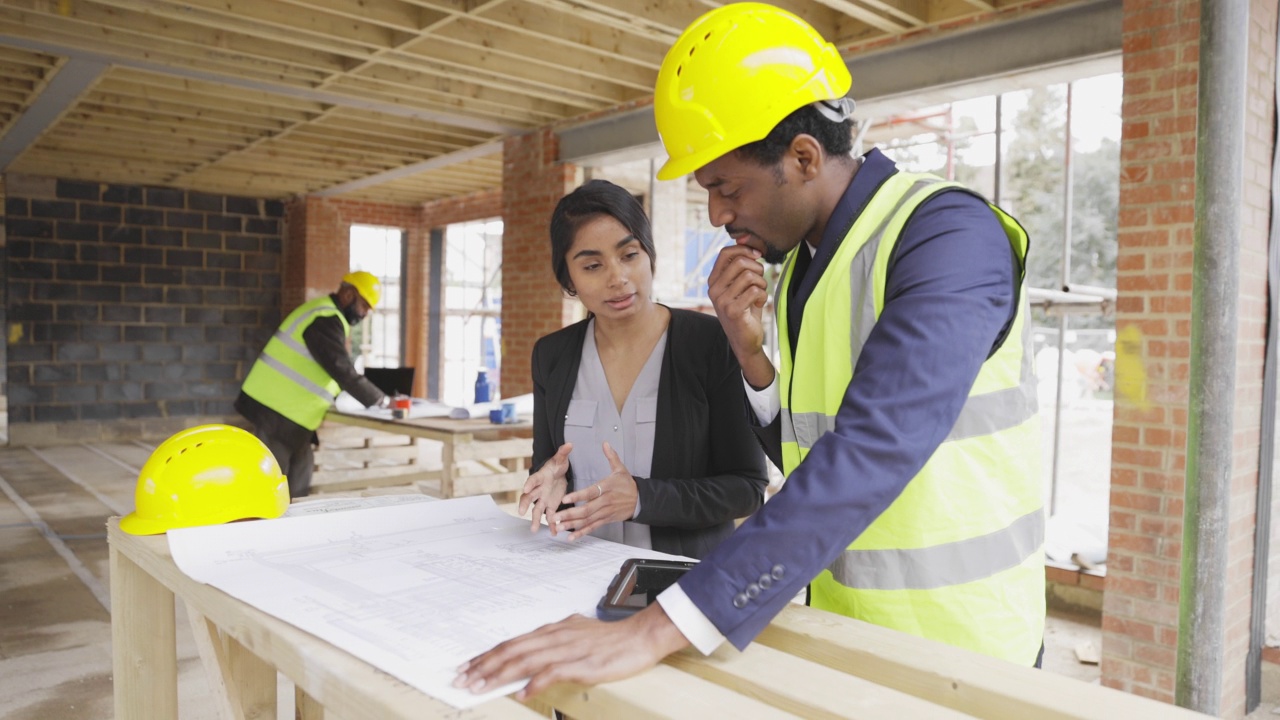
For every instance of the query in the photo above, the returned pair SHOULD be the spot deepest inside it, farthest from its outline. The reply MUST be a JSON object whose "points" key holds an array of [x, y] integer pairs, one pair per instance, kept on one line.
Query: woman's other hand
{"points": [[544, 490], [613, 499]]}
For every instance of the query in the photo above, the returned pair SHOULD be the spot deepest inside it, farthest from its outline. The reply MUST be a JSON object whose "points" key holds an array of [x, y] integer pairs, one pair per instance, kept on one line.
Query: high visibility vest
{"points": [[286, 378], [959, 556]]}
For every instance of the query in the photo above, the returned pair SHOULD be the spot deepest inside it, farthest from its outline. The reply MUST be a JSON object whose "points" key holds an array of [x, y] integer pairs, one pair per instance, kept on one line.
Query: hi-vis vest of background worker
{"points": [[959, 556], [286, 378]]}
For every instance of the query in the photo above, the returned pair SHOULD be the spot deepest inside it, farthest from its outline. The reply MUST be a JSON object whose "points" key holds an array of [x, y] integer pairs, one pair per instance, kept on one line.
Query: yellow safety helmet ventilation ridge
{"points": [[733, 75], [367, 284], [207, 475]]}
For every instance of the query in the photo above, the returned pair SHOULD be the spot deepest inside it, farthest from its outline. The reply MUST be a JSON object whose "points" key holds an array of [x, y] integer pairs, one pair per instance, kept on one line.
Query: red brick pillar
{"points": [[1153, 323], [317, 250], [532, 304], [317, 253]]}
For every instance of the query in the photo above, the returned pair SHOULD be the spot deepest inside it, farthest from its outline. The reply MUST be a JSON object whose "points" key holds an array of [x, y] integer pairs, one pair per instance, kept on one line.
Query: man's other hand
{"points": [[577, 650], [738, 291]]}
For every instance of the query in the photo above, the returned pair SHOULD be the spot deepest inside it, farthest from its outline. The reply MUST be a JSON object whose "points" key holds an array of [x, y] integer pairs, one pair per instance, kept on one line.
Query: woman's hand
{"points": [[613, 499], [544, 490]]}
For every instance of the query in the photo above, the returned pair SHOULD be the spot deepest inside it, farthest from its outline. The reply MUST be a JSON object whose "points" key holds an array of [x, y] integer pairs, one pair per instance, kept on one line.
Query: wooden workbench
{"points": [[808, 663], [497, 456]]}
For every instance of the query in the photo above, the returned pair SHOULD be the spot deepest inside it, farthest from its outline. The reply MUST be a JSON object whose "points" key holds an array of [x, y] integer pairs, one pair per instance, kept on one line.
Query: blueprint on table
{"points": [[413, 589]]}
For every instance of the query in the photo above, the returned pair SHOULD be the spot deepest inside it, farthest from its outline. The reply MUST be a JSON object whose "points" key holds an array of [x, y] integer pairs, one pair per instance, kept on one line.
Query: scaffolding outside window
{"points": [[1050, 156], [378, 341], [472, 314]]}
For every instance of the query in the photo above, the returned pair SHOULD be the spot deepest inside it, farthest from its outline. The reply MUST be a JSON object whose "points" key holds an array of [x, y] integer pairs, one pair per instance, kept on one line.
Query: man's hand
{"points": [[613, 499], [544, 490], [738, 291], [576, 649]]}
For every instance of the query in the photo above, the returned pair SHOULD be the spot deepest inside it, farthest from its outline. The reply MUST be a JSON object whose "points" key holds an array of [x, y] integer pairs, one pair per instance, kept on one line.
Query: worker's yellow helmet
{"points": [[733, 75], [367, 284], [207, 475]]}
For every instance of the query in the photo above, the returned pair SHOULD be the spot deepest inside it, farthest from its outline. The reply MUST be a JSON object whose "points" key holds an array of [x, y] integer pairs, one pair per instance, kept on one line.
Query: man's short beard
{"points": [[773, 254], [349, 312]]}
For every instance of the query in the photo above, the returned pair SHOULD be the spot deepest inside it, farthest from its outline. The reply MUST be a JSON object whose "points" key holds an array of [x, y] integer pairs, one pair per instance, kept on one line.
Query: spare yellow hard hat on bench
{"points": [[207, 475]]}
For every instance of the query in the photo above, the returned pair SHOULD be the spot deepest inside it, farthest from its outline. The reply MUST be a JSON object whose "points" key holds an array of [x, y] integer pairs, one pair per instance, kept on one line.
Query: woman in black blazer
{"points": [[707, 467]]}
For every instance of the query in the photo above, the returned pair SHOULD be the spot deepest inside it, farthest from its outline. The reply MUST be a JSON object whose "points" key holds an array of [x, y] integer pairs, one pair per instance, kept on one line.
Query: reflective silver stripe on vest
{"points": [[288, 341], [784, 418], [984, 414], [862, 270], [805, 428], [295, 376], [989, 413], [306, 317], [944, 565]]}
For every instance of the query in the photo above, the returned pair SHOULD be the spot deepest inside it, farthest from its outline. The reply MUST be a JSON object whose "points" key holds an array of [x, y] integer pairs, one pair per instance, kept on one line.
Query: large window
{"points": [[472, 308], [377, 342], [1050, 156]]}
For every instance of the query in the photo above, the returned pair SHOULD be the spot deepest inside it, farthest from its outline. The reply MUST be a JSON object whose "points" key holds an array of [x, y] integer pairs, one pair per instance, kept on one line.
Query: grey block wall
{"points": [[131, 310]]}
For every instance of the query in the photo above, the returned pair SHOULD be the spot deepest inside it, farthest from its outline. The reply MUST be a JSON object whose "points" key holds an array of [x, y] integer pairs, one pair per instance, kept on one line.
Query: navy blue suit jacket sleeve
{"points": [[949, 295]]}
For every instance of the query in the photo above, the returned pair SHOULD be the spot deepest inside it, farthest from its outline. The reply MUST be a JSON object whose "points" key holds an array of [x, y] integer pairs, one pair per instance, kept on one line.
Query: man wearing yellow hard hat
{"points": [[903, 409], [301, 371]]}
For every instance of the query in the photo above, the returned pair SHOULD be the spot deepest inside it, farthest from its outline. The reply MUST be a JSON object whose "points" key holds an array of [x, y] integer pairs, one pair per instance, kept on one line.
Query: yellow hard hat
{"points": [[367, 284], [207, 475], [733, 75]]}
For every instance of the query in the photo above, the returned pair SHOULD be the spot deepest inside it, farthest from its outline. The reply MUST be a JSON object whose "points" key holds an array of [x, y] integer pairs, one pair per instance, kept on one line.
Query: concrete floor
{"points": [[55, 630]]}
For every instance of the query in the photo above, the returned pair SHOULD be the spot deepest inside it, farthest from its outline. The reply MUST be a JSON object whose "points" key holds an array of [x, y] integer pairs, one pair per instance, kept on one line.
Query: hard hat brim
{"points": [[137, 525]]}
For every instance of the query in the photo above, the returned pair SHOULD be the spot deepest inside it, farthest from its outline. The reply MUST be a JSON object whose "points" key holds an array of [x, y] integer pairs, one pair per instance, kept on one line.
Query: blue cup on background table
{"points": [[509, 413], [495, 416]]}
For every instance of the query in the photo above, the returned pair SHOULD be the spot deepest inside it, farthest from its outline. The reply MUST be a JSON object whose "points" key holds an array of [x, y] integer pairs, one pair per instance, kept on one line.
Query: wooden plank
{"points": [[144, 657], [805, 688], [467, 485], [513, 448], [244, 686], [661, 692], [305, 707], [213, 657], [333, 480], [346, 686], [948, 676], [255, 680], [384, 454]]}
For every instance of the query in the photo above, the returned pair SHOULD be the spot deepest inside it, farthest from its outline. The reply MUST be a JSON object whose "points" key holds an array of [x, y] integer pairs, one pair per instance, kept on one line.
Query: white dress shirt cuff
{"points": [[764, 402], [689, 620]]}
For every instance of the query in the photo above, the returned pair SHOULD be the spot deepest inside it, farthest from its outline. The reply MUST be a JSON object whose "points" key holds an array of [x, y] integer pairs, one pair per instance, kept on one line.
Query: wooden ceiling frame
{"points": [[402, 101]]}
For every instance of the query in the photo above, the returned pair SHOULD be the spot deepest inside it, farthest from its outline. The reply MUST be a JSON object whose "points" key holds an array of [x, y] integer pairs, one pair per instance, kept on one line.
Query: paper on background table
{"points": [[524, 407], [421, 408], [413, 589], [345, 403]]}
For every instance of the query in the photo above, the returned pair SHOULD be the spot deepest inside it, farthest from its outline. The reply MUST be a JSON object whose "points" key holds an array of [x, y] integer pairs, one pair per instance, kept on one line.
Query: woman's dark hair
{"points": [[591, 200], [836, 138]]}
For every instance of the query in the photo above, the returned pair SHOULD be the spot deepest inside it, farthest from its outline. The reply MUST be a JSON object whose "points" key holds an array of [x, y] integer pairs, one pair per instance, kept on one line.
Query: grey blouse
{"points": [[593, 418]]}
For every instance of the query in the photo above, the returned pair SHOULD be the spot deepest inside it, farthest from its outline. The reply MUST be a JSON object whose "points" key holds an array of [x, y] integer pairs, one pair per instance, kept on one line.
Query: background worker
{"points": [[301, 371], [639, 406], [904, 407]]}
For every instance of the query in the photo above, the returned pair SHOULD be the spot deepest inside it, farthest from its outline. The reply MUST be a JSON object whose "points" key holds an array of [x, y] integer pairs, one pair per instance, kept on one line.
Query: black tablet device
{"points": [[637, 584]]}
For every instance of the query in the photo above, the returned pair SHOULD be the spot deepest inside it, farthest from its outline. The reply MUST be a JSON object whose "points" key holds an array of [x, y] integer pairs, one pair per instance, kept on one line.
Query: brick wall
{"points": [[318, 246], [318, 254], [1251, 344], [1153, 321], [132, 311], [532, 303]]}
